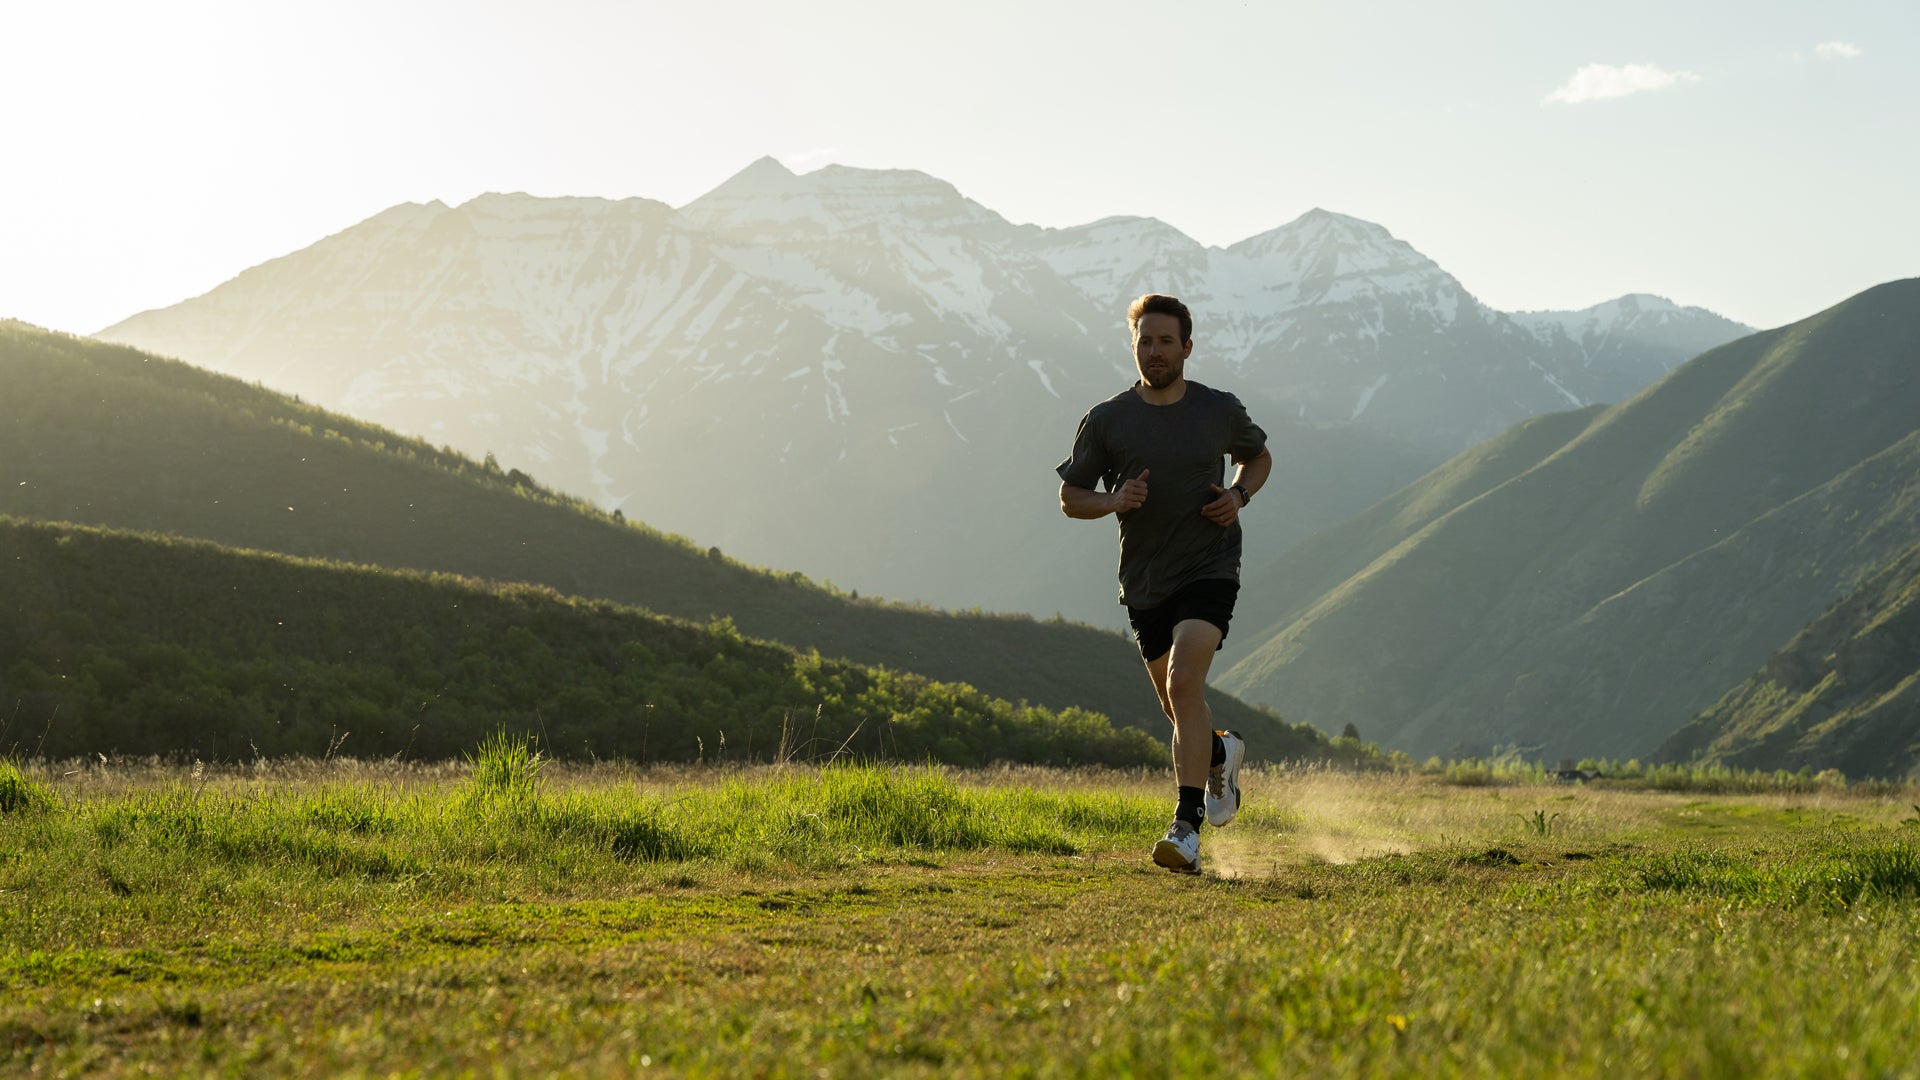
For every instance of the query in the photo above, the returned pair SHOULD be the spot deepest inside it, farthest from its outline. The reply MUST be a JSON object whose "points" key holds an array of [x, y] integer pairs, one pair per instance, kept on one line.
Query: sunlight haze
{"points": [[1755, 159]]}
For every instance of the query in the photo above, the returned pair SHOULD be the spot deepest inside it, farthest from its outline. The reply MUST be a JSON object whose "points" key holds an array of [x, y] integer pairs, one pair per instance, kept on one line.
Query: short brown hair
{"points": [[1156, 304]]}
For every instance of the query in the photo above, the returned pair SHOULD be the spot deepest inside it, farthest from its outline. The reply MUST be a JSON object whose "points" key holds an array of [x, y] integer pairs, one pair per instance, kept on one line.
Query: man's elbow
{"points": [[1073, 502]]}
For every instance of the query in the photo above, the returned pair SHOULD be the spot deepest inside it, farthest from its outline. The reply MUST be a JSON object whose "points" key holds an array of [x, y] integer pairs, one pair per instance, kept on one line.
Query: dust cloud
{"points": [[1312, 820]]}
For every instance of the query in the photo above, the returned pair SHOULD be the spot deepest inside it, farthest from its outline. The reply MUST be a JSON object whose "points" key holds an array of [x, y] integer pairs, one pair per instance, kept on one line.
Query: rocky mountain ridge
{"points": [[868, 376]]}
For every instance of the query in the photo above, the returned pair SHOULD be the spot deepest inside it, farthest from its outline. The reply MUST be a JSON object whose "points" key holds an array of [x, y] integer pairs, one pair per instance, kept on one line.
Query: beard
{"points": [[1159, 378]]}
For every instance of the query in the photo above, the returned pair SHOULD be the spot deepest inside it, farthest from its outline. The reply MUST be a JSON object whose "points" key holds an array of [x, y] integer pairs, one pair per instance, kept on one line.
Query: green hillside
{"points": [[106, 435], [117, 642], [1596, 600], [1844, 693], [1278, 592]]}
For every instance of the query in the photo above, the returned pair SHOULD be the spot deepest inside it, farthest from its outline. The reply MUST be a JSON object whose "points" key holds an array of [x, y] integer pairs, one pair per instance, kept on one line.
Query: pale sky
{"points": [[1758, 158]]}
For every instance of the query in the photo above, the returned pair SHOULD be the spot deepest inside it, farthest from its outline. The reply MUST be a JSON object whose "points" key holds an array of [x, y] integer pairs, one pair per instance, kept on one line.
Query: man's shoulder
{"points": [[1116, 403], [1208, 395]]}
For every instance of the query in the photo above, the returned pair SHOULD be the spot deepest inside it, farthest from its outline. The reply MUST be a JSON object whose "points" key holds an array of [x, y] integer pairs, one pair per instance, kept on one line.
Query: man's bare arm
{"points": [[1224, 510], [1253, 472], [1088, 504]]}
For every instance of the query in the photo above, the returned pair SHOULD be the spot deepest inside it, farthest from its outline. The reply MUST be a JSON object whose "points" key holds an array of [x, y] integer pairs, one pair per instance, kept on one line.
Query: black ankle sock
{"points": [[1193, 802], [1219, 750]]}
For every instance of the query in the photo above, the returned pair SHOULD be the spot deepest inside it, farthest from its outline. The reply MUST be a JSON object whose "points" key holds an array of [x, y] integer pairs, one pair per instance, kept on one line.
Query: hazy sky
{"points": [[1758, 158]]}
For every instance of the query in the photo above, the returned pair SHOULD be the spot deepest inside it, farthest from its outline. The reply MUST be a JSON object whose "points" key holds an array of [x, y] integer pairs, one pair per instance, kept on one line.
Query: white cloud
{"points": [[1836, 50], [1596, 81]]}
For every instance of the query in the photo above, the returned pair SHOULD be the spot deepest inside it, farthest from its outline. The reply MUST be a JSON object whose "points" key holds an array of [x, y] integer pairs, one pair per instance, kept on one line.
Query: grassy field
{"points": [[372, 919]]}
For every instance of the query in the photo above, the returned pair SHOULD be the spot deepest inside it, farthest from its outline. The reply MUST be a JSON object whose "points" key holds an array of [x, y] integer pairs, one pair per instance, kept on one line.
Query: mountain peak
{"points": [[514, 202], [1319, 228], [765, 165], [1647, 302], [1321, 245], [851, 179], [833, 198], [1133, 227], [1646, 311], [1320, 215], [764, 178]]}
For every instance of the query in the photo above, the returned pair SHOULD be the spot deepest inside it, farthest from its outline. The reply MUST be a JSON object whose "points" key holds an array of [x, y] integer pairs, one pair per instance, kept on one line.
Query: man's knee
{"points": [[1166, 704], [1186, 683], [1192, 658]]}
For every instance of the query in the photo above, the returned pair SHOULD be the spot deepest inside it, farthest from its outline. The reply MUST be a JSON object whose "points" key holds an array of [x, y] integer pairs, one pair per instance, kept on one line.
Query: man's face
{"points": [[1158, 350]]}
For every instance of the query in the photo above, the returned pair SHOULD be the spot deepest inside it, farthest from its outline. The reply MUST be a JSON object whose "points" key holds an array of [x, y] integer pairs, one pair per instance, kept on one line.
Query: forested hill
{"points": [[140, 644], [1283, 590], [106, 435]]}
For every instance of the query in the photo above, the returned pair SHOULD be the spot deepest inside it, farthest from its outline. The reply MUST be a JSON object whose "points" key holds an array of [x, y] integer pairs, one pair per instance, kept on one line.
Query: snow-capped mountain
{"points": [[1623, 345], [868, 376], [1334, 319]]}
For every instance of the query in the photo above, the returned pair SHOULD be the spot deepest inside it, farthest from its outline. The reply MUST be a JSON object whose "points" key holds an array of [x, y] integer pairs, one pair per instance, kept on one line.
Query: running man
{"points": [[1158, 446]]}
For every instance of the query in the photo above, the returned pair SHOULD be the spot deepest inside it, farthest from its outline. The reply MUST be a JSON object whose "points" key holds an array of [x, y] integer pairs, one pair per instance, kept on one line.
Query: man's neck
{"points": [[1169, 394]]}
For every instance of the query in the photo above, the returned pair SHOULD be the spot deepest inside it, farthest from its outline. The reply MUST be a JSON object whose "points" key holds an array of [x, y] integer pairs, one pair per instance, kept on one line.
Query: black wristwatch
{"points": [[1245, 496]]}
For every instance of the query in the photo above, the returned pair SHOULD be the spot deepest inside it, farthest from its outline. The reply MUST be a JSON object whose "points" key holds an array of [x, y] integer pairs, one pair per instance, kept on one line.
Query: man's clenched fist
{"points": [[1131, 494]]}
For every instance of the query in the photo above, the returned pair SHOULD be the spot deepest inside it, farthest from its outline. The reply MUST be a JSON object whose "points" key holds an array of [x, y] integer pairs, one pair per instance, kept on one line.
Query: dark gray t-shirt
{"points": [[1164, 542]]}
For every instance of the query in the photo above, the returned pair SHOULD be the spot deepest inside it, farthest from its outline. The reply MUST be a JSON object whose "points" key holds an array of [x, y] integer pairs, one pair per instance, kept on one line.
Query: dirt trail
{"points": [[1263, 856]]}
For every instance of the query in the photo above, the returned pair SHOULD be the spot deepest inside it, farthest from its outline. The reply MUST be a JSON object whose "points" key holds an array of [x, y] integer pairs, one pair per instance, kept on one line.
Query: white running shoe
{"points": [[1179, 850], [1223, 781]]}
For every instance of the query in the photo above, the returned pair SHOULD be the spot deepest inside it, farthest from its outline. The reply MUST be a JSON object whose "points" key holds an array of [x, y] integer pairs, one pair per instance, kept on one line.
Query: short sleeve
{"points": [[1089, 461], [1245, 440]]}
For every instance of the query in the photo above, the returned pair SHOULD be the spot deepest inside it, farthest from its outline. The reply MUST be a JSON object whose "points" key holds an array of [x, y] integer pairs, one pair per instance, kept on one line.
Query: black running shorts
{"points": [[1210, 599]]}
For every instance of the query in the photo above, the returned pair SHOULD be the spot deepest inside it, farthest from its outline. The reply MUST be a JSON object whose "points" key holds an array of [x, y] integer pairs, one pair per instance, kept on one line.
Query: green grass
{"points": [[355, 918], [1633, 774], [506, 768]]}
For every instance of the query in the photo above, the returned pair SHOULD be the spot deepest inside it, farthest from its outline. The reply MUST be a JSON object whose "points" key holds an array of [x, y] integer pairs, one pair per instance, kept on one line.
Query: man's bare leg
{"points": [[1182, 688], [1180, 680]]}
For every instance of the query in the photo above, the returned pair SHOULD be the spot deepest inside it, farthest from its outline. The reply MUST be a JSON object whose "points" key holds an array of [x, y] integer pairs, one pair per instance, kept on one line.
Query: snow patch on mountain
{"points": [[1573, 399], [1366, 396], [1039, 368], [808, 286]]}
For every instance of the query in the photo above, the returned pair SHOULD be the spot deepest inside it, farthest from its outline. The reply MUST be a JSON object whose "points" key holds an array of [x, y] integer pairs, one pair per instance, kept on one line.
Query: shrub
{"points": [[506, 768], [20, 794]]}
